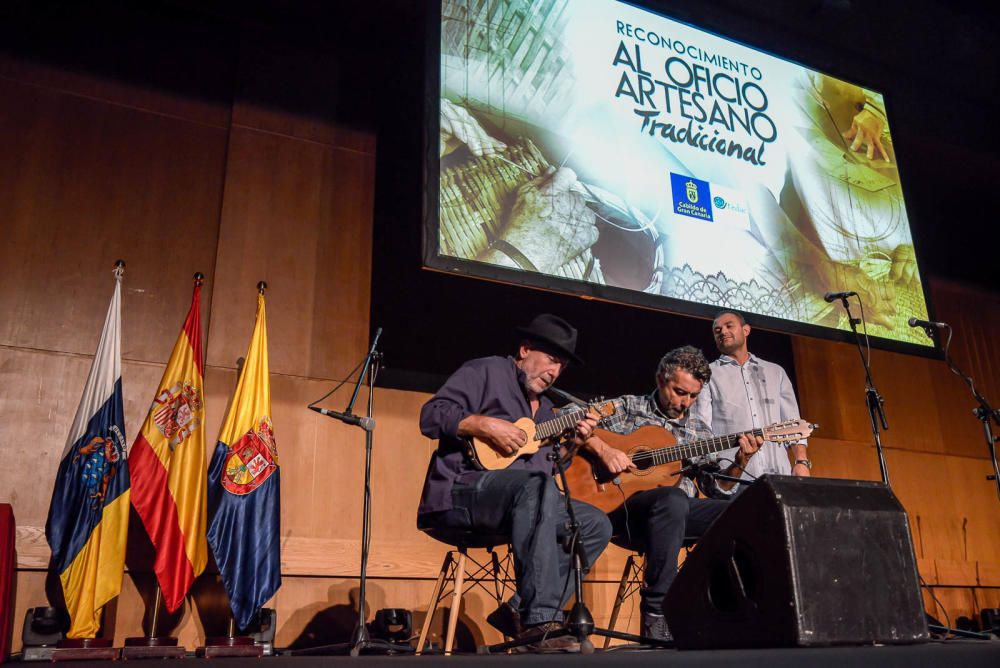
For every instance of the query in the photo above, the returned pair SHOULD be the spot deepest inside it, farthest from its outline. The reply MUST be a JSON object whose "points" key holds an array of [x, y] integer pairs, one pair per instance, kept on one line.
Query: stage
{"points": [[967, 653]]}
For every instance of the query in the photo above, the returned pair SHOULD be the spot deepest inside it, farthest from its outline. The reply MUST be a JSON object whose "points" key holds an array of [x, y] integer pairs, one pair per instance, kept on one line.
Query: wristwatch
{"points": [[805, 462]]}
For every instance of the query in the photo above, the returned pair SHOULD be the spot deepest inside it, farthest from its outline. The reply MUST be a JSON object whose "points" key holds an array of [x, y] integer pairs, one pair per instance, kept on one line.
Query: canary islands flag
{"points": [[243, 492], [167, 464], [87, 525]]}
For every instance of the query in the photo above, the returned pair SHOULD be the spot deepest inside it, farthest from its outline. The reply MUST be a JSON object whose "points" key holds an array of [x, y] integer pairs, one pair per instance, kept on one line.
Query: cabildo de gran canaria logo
{"points": [[690, 195]]}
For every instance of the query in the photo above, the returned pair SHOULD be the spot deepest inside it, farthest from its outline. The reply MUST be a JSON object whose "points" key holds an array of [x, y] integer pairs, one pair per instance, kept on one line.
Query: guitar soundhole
{"points": [[643, 462]]}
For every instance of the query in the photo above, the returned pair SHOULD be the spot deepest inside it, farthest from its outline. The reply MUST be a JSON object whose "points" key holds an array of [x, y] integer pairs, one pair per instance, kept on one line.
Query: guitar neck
{"points": [[705, 446], [555, 426], [565, 421]]}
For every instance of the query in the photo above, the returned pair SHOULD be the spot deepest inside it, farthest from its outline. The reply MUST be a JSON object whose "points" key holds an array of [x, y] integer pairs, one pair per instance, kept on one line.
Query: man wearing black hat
{"points": [[482, 400]]}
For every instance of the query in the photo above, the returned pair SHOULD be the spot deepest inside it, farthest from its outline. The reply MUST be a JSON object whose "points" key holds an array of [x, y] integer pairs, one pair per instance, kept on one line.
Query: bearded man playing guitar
{"points": [[657, 520], [480, 402]]}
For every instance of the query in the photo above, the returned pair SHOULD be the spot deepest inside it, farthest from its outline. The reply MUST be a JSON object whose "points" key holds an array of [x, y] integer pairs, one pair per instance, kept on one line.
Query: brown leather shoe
{"points": [[539, 640], [506, 620]]}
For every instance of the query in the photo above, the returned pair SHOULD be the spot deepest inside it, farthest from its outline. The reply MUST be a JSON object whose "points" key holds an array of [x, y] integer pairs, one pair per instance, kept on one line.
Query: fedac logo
{"points": [[691, 197]]}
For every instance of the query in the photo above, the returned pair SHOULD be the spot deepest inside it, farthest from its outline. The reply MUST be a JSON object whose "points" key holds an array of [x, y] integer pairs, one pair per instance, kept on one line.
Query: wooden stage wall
{"points": [[94, 169]]}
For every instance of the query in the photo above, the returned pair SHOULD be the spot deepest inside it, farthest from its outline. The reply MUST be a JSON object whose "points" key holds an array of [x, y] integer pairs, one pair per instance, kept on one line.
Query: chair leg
{"points": [[498, 589], [499, 581], [456, 603], [620, 597], [435, 599]]}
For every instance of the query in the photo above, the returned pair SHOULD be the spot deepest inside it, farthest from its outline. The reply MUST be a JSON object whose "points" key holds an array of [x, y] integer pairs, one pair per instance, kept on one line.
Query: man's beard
{"points": [[728, 347], [683, 412]]}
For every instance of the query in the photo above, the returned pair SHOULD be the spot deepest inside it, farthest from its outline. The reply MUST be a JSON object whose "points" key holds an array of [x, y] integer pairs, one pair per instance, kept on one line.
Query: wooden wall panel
{"points": [[974, 314], [322, 85], [925, 405], [136, 96], [39, 395], [298, 215], [84, 183]]}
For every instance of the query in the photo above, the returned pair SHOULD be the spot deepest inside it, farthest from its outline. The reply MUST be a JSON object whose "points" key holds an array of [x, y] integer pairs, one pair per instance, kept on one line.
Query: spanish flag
{"points": [[167, 463], [87, 525], [243, 488]]}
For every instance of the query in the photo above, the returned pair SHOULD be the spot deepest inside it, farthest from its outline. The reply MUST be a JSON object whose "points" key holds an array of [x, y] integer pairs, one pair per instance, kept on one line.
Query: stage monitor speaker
{"points": [[801, 562]]}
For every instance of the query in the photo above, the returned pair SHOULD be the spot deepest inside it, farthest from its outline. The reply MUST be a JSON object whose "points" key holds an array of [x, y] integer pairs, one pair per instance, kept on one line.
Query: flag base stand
{"points": [[85, 649], [151, 647], [226, 646]]}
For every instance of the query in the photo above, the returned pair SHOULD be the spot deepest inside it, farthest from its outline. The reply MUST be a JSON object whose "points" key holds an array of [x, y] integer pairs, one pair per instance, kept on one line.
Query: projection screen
{"points": [[599, 148]]}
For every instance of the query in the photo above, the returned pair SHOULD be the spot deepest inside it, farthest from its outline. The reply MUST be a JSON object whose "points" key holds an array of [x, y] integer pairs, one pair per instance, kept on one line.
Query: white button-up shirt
{"points": [[751, 396]]}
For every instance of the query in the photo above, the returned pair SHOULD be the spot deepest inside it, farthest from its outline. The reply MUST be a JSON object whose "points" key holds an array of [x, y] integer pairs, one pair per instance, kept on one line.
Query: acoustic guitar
{"points": [[481, 454], [657, 458]]}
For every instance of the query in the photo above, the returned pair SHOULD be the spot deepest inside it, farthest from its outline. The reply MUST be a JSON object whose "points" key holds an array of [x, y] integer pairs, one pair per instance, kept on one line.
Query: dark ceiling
{"points": [[936, 61]]}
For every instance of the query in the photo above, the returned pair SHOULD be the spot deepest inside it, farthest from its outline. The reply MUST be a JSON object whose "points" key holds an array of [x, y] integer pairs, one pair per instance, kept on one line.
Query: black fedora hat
{"points": [[554, 333]]}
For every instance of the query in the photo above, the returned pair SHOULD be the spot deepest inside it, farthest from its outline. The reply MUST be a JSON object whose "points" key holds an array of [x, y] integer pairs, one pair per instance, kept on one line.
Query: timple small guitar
{"points": [[537, 434]]}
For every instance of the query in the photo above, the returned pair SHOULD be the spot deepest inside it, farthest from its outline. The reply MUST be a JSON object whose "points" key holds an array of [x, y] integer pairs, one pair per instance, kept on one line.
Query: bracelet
{"points": [[805, 462], [519, 258]]}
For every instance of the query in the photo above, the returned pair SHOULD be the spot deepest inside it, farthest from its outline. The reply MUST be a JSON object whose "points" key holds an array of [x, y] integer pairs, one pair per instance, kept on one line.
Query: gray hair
{"points": [[686, 358]]}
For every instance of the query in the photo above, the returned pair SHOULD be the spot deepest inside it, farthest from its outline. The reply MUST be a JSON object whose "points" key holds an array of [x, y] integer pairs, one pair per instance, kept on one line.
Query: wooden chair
{"points": [[631, 583], [460, 572]]}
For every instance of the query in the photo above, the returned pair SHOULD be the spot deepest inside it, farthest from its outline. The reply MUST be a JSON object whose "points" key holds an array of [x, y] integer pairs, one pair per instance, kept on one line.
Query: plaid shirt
{"points": [[642, 410]]}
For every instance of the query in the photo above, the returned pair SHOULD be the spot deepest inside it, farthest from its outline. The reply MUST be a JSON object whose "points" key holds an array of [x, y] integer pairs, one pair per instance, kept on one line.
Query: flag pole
{"points": [[154, 623]]}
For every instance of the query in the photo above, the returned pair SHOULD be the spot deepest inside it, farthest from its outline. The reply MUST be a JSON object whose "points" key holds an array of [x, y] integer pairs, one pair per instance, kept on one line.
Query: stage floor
{"points": [[959, 652]]}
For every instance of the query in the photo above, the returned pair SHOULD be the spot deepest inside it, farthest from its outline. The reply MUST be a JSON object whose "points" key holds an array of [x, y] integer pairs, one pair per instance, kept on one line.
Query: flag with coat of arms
{"points": [[87, 526], [167, 463], [243, 488]]}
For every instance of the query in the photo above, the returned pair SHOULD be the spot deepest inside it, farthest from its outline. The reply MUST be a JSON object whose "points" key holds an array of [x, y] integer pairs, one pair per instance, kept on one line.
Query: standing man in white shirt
{"points": [[746, 392]]}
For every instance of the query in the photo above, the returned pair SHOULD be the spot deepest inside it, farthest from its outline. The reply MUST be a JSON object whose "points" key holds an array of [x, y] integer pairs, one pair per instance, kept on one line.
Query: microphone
{"points": [[378, 333], [698, 467], [926, 324], [566, 396], [831, 296], [366, 423]]}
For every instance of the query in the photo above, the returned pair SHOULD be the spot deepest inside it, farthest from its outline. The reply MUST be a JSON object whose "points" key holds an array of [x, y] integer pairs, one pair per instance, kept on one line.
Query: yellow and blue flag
{"points": [[244, 525], [87, 525]]}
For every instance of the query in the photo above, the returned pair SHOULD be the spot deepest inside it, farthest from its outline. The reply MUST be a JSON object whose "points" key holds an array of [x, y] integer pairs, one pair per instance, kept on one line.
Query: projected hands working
{"points": [[549, 224], [458, 128], [866, 131]]}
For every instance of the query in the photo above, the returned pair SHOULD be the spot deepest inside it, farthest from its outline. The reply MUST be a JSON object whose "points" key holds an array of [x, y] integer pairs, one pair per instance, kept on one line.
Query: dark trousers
{"points": [[528, 507], [656, 522]]}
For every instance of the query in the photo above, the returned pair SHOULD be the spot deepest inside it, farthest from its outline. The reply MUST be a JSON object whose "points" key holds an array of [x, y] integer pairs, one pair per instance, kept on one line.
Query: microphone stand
{"points": [[873, 400], [579, 623], [984, 412], [360, 639]]}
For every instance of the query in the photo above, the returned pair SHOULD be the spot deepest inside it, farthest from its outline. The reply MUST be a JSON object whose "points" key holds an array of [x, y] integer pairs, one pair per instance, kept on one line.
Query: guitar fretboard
{"points": [[568, 419], [698, 448]]}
